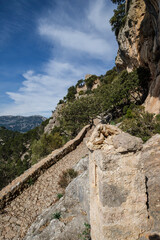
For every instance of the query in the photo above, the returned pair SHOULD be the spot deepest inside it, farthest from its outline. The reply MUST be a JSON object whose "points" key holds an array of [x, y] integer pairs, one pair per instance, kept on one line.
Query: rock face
{"points": [[128, 56], [139, 45], [151, 47], [74, 209], [124, 186], [120, 196], [53, 122]]}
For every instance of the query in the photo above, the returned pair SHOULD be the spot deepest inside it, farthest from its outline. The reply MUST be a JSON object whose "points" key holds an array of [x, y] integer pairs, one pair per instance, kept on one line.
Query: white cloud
{"points": [[99, 14], [40, 93], [93, 36], [89, 43]]}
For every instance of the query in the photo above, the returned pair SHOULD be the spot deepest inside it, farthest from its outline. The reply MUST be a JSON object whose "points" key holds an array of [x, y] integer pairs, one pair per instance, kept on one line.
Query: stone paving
{"points": [[17, 217]]}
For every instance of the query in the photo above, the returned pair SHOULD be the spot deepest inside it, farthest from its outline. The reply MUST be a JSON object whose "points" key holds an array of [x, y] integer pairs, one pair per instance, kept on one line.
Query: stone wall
{"points": [[20, 183], [124, 185]]}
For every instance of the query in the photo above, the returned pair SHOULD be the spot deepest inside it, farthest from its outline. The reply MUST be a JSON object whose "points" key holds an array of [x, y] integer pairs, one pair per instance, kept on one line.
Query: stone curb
{"points": [[16, 187]]}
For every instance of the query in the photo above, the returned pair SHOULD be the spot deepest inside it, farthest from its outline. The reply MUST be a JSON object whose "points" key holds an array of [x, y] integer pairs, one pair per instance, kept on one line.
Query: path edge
{"points": [[16, 187]]}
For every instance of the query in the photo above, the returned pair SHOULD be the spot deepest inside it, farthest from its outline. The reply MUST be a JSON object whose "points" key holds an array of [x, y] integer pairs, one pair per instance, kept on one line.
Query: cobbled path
{"points": [[17, 217]]}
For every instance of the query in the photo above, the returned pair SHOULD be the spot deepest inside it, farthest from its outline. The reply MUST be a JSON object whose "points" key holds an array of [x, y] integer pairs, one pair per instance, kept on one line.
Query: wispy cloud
{"points": [[91, 43], [90, 38], [99, 14], [40, 93]]}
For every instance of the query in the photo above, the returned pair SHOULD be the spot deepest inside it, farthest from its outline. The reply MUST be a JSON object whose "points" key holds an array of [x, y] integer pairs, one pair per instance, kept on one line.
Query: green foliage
{"points": [[45, 145], [66, 177], [71, 93], [61, 101], [125, 89], [89, 91], [80, 83], [12, 147], [59, 195], [57, 215], [15, 151], [139, 123], [77, 114], [81, 93], [118, 1], [109, 76], [90, 81], [30, 181], [119, 18], [117, 93], [158, 117], [86, 233]]}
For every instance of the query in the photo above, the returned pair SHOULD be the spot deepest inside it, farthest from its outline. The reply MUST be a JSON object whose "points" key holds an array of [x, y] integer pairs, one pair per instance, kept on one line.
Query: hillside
{"points": [[20, 123], [117, 190], [15, 152]]}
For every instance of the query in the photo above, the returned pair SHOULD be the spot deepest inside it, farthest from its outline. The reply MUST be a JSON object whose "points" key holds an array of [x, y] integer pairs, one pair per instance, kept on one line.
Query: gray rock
{"points": [[124, 143], [74, 209], [82, 165], [111, 195], [53, 122]]}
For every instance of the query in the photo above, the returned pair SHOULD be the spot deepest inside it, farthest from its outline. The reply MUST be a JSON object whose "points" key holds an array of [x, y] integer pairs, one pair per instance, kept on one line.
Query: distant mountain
{"points": [[20, 123]]}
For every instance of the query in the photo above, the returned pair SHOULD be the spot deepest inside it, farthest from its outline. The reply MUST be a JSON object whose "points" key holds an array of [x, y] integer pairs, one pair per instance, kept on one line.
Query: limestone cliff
{"points": [[124, 186], [139, 45], [53, 122]]}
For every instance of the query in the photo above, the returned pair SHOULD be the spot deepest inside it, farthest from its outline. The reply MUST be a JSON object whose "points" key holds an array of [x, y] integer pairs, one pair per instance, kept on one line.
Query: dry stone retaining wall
{"points": [[20, 183]]}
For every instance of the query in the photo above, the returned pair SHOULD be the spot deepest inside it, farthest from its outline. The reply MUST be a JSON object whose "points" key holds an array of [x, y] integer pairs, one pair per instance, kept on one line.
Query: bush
{"points": [[90, 81], [80, 83], [30, 181], [119, 18], [81, 92], [71, 93], [61, 101], [45, 145], [109, 76], [141, 124], [75, 115], [59, 195], [57, 215], [66, 177], [118, 1]]}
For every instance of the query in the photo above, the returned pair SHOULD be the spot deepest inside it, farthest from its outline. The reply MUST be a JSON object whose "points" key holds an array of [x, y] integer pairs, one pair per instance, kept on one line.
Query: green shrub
{"points": [[61, 101], [90, 81], [80, 83], [71, 93], [158, 117], [81, 92], [109, 76], [30, 181], [119, 18], [140, 123], [118, 1], [45, 145], [57, 215], [86, 233], [59, 195], [75, 115], [66, 177]]}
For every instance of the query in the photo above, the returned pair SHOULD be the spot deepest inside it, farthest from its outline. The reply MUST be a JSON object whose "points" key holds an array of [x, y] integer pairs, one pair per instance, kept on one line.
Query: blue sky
{"points": [[48, 45]]}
